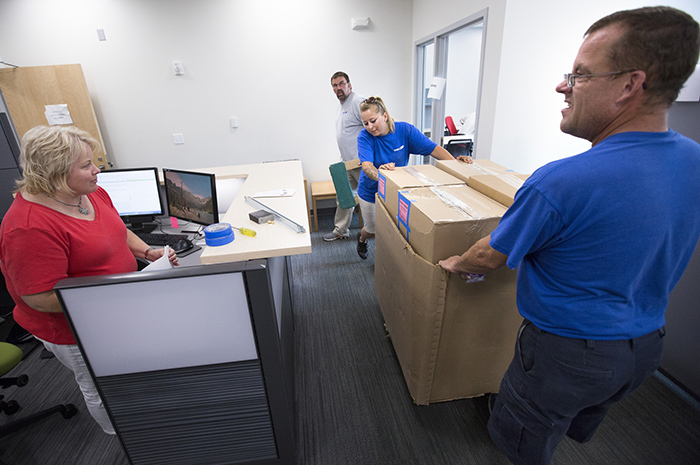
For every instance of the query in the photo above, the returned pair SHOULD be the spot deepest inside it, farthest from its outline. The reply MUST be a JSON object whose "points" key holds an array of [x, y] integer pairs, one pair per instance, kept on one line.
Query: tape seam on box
{"points": [[454, 202], [421, 176]]}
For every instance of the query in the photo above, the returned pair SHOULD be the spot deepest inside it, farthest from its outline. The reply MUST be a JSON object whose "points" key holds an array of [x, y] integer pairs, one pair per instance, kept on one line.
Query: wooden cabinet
{"points": [[27, 91], [9, 162]]}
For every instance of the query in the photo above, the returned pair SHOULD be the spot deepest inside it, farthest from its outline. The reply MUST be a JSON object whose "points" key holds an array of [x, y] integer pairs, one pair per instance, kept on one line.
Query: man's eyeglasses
{"points": [[571, 78], [340, 84]]}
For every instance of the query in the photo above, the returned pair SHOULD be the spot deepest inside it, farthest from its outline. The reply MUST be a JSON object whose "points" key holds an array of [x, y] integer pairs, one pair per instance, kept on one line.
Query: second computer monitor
{"points": [[191, 196], [135, 193]]}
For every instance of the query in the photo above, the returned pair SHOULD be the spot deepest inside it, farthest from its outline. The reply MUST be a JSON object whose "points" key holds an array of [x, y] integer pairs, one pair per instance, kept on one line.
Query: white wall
{"points": [[530, 44], [269, 64], [266, 62], [540, 41]]}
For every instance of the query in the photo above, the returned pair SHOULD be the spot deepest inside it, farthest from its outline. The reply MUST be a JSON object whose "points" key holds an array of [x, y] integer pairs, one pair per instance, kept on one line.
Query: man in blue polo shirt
{"points": [[600, 239]]}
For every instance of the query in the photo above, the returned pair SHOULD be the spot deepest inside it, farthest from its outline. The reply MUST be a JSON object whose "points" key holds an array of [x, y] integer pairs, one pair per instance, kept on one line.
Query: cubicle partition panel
{"points": [[282, 294], [190, 362]]}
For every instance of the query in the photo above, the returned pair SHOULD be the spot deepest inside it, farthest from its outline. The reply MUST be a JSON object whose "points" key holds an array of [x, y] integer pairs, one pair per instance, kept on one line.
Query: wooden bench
{"points": [[324, 190]]}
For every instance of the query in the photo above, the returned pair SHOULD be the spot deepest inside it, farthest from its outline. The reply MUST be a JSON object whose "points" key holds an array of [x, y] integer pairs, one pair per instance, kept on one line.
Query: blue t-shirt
{"points": [[602, 238], [395, 147]]}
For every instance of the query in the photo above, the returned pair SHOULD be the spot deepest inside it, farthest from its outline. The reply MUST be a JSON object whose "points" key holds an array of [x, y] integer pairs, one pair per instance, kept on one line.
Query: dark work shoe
{"points": [[361, 247]]}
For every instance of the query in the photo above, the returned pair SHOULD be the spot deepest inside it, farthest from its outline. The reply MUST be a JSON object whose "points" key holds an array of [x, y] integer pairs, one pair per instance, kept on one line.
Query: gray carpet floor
{"points": [[352, 404]]}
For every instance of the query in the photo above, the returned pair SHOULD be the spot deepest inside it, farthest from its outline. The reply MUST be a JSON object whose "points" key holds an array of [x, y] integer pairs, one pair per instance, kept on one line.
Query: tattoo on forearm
{"points": [[371, 172]]}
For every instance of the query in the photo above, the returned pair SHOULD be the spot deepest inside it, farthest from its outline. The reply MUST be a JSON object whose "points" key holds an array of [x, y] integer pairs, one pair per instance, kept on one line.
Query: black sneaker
{"points": [[361, 247]]}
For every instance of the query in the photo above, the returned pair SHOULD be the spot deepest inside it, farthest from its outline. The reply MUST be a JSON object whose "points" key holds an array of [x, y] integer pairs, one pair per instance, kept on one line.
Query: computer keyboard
{"points": [[161, 239]]}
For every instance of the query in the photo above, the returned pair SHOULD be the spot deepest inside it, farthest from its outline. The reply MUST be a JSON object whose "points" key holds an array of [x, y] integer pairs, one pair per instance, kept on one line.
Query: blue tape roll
{"points": [[218, 234]]}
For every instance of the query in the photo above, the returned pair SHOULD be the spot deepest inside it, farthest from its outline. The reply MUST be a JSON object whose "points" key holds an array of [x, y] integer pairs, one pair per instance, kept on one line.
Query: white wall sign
{"points": [[57, 114]]}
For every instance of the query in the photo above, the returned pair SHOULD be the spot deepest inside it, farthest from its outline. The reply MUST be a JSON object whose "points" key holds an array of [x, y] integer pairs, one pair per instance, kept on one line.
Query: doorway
{"points": [[452, 56]]}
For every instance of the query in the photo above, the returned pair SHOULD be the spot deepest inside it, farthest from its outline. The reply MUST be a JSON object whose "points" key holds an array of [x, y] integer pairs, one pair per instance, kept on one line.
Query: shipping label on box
{"points": [[453, 340], [443, 221], [404, 210], [501, 187], [381, 185], [408, 177]]}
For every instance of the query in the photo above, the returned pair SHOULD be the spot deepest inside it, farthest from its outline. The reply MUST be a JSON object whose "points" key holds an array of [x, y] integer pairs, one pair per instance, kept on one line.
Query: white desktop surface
{"points": [[271, 240]]}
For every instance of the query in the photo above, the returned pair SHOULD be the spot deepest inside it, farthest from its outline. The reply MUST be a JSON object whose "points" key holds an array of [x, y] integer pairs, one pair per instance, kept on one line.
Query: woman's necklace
{"points": [[81, 209]]}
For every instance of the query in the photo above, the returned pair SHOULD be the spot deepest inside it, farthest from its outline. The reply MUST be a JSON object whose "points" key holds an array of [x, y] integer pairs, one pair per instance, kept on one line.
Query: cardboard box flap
{"points": [[464, 171], [480, 318], [352, 164], [446, 220], [415, 319], [391, 181], [443, 204], [419, 176], [501, 188]]}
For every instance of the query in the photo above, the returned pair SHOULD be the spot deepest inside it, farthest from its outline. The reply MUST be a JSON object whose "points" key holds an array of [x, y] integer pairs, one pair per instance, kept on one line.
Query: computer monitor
{"points": [[135, 193], [191, 196]]}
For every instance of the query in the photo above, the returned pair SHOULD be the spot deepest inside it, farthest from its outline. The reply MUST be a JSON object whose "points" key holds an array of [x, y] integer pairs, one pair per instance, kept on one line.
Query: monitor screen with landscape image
{"points": [[191, 196]]}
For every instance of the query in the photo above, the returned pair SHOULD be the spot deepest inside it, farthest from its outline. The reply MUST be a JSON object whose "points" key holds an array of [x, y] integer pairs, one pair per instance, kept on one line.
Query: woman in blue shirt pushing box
{"points": [[383, 145]]}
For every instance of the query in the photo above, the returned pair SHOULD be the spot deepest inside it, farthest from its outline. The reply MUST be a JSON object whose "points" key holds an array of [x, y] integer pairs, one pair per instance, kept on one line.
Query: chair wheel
{"points": [[69, 411], [11, 407], [22, 380]]}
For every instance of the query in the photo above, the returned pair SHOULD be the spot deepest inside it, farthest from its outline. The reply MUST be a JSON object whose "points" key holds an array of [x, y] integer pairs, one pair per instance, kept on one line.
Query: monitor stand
{"points": [[142, 228]]}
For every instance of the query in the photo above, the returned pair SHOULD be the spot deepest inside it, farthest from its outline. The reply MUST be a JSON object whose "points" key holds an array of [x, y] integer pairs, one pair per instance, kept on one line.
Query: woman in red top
{"points": [[60, 225]]}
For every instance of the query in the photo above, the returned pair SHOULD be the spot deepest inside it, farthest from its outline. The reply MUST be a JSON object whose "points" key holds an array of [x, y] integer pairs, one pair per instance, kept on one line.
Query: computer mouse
{"points": [[182, 245]]}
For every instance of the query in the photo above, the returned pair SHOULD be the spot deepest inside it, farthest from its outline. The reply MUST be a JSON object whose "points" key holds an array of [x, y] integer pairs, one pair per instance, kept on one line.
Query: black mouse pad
{"points": [[188, 251]]}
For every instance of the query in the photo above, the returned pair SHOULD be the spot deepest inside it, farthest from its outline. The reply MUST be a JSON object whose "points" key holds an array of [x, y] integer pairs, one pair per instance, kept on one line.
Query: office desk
{"points": [[242, 285], [272, 240]]}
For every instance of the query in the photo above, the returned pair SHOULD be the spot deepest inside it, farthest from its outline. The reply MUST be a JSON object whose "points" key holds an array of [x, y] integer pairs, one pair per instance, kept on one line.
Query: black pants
{"points": [[557, 386]]}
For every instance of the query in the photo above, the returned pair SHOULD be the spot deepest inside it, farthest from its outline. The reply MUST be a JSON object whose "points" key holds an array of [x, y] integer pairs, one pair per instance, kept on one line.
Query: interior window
{"points": [[455, 55]]}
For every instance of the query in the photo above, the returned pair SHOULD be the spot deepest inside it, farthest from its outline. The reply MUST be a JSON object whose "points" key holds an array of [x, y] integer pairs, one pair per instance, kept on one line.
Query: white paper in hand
{"points": [[163, 263]]}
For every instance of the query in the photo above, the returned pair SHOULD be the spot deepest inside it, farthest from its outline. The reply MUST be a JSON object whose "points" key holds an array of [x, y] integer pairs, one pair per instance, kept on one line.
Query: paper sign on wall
{"points": [[436, 87], [57, 114]]}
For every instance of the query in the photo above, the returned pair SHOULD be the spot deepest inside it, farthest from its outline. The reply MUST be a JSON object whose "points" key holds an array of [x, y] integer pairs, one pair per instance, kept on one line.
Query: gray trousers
{"points": [[71, 358]]}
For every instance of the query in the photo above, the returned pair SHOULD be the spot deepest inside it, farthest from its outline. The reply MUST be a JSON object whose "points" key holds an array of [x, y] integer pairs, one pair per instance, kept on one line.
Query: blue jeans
{"points": [[557, 386]]}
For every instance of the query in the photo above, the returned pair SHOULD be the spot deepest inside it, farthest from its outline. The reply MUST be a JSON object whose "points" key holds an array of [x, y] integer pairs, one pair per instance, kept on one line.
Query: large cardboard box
{"points": [[453, 340], [464, 171], [390, 182], [501, 187], [443, 221]]}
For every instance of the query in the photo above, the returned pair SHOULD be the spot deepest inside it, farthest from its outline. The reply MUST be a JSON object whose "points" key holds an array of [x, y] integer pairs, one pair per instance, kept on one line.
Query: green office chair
{"points": [[10, 356], [343, 190]]}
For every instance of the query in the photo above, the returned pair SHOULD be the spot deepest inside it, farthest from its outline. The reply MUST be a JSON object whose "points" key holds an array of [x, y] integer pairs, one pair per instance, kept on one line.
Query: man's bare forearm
{"points": [[480, 258]]}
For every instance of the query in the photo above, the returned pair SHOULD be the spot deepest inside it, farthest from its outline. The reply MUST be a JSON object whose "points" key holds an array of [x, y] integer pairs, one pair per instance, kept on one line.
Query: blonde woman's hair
{"points": [[378, 105], [47, 155]]}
